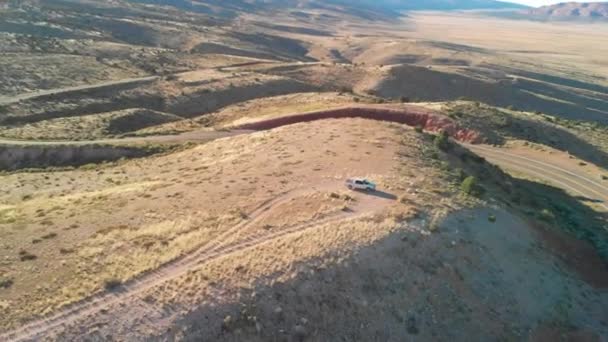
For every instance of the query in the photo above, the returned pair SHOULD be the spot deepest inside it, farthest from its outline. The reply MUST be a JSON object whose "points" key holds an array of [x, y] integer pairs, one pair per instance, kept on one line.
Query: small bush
{"points": [[26, 256], [419, 129], [5, 283], [346, 90], [546, 215], [460, 174], [492, 218], [49, 236], [470, 186], [404, 99], [334, 195], [111, 284], [442, 141], [66, 250]]}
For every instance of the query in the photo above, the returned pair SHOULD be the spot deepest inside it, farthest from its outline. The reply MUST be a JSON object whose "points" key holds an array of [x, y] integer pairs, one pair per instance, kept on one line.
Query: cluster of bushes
{"points": [[470, 186]]}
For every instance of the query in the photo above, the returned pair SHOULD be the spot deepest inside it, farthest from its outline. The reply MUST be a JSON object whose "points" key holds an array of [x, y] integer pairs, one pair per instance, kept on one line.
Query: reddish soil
{"points": [[578, 255], [549, 333], [411, 116]]}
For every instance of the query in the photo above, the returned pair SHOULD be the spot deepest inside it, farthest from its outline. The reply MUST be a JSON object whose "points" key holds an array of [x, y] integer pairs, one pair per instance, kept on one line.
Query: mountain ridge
{"points": [[572, 10]]}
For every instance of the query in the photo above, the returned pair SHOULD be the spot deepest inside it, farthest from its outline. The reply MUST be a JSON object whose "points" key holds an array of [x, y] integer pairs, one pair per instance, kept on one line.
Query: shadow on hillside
{"points": [[406, 285], [429, 84], [558, 210], [563, 81], [558, 138], [549, 206]]}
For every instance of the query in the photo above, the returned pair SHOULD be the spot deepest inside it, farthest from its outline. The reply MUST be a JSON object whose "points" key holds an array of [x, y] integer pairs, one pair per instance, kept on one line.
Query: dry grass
{"points": [[114, 222]]}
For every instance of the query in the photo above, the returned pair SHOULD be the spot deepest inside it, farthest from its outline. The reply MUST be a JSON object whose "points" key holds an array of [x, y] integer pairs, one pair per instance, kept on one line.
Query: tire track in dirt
{"points": [[209, 251]]}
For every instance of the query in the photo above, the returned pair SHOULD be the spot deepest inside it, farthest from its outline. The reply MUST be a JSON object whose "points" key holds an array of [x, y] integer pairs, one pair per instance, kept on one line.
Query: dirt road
{"points": [[576, 183], [7, 100], [193, 136], [218, 247]]}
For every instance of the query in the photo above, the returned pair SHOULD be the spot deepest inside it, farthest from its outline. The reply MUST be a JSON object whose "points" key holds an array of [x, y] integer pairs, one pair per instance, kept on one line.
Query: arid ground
{"points": [[176, 172]]}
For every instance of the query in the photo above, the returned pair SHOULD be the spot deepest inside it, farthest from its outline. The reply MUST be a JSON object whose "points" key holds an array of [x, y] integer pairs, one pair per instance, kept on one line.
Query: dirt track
{"points": [[214, 249], [52, 92], [222, 246]]}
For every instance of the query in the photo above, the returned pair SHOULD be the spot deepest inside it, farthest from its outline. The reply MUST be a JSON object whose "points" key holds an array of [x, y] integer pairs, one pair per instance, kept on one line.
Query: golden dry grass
{"points": [[90, 225]]}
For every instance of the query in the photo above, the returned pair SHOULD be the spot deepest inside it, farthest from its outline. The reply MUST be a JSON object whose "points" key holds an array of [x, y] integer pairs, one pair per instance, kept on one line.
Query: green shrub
{"points": [[442, 141], [419, 129], [492, 218], [546, 215], [471, 187]]}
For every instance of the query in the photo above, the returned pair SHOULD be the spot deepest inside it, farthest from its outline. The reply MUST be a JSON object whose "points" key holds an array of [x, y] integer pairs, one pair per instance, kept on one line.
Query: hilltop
{"points": [[176, 170]]}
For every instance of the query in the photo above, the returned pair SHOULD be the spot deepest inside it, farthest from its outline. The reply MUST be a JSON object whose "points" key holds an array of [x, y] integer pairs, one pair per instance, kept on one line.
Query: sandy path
{"points": [[193, 136], [574, 182], [6, 100], [210, 251]]}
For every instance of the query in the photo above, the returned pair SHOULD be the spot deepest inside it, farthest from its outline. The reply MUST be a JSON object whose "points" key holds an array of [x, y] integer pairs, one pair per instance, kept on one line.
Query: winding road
{"points": [[576, 183]]}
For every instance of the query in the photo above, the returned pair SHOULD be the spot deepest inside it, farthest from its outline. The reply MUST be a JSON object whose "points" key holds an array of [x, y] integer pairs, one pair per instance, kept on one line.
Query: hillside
{"points": [[572, 11], [179, 170]]}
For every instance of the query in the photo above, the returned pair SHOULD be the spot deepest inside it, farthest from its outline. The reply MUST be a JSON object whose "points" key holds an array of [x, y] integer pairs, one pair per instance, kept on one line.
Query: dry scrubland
{"points": [[357, 257], [303, 258], [64, 234], [213, 66]]}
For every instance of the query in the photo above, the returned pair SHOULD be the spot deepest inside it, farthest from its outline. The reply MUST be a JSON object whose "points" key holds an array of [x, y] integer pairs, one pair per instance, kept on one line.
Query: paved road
{"points": [[578, 184]]}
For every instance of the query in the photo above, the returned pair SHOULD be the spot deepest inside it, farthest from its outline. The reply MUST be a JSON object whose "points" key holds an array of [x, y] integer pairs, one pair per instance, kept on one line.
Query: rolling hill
{"points": [[572, 10]]}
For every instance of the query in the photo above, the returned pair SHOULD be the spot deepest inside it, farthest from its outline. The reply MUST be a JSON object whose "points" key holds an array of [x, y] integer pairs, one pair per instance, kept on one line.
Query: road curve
{"points": [[575, 183]]}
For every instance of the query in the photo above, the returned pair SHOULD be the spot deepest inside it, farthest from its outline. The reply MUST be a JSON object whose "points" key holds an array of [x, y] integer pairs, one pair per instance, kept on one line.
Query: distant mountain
{"points": [[439, 4], [572, 10]]}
